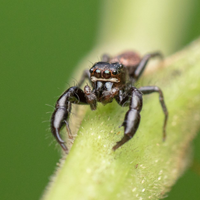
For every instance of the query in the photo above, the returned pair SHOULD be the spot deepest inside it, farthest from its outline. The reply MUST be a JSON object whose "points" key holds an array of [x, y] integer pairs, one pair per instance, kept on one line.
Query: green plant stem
{"points": [[145, 167], [143, 25]]}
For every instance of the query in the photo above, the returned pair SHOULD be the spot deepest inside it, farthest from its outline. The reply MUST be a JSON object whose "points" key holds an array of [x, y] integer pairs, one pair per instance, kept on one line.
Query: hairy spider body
{"points": [[112, 78]]}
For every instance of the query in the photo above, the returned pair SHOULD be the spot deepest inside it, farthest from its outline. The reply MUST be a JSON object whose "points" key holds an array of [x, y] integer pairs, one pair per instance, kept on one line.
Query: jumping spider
{"points": [[112, 78]]}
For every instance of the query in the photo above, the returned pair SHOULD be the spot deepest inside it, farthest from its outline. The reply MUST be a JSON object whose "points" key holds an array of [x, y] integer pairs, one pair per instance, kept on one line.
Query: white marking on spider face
{"points": [[113, 80]]}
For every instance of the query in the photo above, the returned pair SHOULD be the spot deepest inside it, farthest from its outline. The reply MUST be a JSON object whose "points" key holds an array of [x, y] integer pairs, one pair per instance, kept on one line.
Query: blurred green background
{"points": [[40, 44]]}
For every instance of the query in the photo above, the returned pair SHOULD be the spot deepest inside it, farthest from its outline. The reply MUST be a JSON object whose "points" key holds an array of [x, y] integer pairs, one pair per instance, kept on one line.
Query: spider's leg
{"points": [[85, 75], [68, 129], [140, 68], [151, 89], [62, 110], [132, 117], [105, 57]]}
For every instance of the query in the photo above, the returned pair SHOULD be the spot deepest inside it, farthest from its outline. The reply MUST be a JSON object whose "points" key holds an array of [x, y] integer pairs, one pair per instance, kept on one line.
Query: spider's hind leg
{"points": [[142, 65], [151, 89]]}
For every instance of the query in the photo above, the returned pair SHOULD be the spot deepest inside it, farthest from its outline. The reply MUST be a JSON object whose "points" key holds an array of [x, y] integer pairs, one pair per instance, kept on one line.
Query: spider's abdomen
{"points": [[128, 59]]}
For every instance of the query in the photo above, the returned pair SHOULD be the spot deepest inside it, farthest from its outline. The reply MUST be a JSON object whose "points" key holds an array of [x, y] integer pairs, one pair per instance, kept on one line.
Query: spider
{"points": [[112, 78]]}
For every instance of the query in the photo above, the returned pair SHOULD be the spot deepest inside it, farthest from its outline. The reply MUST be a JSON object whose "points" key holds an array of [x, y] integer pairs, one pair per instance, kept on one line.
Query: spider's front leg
{"points": [[61, 114], [132, 117]]}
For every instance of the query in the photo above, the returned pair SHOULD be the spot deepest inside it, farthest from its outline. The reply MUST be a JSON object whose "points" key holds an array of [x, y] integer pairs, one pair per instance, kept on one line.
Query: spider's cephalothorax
{"points": [[112, 78]]}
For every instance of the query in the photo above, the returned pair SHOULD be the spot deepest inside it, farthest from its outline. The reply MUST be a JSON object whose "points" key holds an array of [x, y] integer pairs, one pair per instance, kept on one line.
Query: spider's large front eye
{"points": [[106, 74], [97, 73]]}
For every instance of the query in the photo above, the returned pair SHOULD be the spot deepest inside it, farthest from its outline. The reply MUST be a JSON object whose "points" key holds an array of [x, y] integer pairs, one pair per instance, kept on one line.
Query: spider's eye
{"points": [[91, 70], [120, 66], [106, 74], [114, 72], [97, 73]]}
